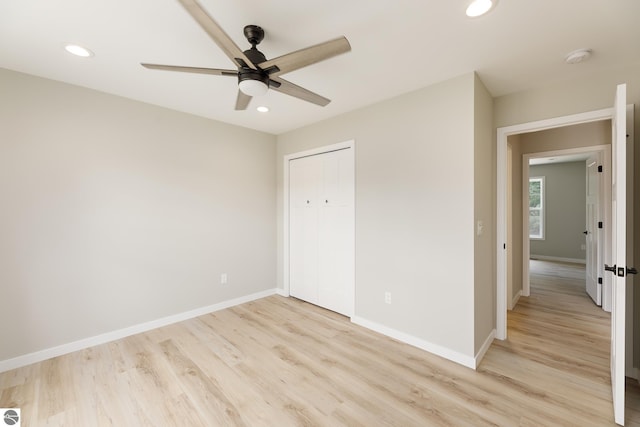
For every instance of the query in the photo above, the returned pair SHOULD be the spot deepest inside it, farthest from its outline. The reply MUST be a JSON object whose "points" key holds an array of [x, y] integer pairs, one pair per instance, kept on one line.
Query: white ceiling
{"points": [[397, 46]]}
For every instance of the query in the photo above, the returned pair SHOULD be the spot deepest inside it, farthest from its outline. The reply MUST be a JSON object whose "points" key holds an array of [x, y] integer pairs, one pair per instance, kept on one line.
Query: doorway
{"points": [[562, 232], [502, 143]]}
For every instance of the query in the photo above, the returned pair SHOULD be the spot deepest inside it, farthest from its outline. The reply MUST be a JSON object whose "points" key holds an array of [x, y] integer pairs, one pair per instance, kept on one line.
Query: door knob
{"points": [[585, 232], [621, 270]]}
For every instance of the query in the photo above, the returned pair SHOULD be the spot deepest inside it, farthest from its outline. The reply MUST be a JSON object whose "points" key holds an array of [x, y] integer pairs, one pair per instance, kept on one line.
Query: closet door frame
{"points": [[286, 222]]}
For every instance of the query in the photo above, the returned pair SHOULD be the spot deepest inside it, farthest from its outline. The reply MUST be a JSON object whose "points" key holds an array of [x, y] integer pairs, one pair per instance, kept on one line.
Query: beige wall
{"points": [[485, 203], [588, 93], [566, 137], [414, 209], [116, 212]]}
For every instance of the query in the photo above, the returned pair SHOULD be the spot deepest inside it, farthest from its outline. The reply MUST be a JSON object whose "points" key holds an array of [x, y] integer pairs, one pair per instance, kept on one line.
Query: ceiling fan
{"points": [[255, 73]]}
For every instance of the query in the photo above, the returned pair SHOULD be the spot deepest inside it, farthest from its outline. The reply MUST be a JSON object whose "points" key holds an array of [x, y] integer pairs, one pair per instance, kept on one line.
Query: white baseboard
{"points": [[484, 348], [281, 292], [556, 258], [39, 356], [449, 354], [515, 299]]}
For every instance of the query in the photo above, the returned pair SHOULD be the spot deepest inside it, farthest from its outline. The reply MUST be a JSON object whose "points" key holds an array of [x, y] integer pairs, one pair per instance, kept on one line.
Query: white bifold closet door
{"points": [[321, 233]]}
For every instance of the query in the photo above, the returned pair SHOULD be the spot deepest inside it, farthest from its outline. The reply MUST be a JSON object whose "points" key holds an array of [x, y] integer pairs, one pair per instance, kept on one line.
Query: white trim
{"points": [[39, 356], [350, 144], [501, 197], [282, 293], [557, 258], [631, 175], [526, 244], [605, 209], [558, 122], [285, 227], [485, 347], [501, 236], [436, 349], [321, 150], [526, 186], [515, 299]]}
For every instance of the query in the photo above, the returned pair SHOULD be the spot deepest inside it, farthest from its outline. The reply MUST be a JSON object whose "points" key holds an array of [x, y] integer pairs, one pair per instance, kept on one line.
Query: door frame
{"points": [[604, 208], [501, 197], [350, 144]]}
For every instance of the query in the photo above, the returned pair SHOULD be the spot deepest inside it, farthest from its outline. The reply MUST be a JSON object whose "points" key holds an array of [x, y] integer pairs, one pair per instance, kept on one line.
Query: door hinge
{"points": [[600, 168], [600, 280], [504, 246], [599, 224]]}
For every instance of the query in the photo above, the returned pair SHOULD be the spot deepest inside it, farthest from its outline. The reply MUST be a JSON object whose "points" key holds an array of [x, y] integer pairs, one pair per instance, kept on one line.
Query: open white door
{"points": [[592, 232], [618, 257]]}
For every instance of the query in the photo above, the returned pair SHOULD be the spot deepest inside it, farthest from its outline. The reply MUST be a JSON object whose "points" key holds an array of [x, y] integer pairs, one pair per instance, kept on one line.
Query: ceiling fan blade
{"points": [[242, 102], [303, 57], [288, 88], [216, 32], [197, 70]]}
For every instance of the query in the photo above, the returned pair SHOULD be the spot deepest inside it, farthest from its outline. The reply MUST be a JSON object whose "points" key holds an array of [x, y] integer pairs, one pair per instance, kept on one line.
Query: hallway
{"points": [[558, 344]]}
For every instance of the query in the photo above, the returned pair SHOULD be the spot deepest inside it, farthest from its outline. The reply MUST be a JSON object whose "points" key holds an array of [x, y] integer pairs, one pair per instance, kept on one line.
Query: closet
{"points": [[321, 229]]}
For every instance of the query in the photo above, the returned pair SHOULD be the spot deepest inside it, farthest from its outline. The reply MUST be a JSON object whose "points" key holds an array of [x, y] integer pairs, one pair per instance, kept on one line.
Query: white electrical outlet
{"points": [[224, 279], [387, 297]]}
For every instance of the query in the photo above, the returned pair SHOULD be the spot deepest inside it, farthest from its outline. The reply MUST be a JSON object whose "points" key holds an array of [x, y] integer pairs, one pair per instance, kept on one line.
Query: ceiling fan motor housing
{"points": [[250, 74], [254, 35]]}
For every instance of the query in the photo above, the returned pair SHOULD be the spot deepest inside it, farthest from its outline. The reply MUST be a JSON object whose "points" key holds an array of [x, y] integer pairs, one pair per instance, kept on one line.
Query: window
{"points": [[536, 208]]}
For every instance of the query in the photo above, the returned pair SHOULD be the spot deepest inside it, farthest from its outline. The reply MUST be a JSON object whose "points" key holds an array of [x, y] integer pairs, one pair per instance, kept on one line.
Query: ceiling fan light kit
{"points": [[252, 87], [256, 75]]}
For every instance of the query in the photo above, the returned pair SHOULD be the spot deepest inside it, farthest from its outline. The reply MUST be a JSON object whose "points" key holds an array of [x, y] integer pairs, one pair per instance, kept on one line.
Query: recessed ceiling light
{"points": [[263, 109], [479, 7], [77, 50], [576, 56]]}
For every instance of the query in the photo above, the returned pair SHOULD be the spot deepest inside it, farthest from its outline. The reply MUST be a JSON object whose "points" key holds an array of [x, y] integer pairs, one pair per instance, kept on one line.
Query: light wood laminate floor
{"points": [[282, 362]]}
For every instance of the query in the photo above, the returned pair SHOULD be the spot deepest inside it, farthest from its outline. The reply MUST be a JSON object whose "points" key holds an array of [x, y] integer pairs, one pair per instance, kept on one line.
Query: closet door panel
{"points": [[304, 192], [335, 275], [335, 233], [337, 180]]}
